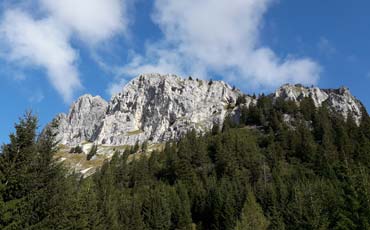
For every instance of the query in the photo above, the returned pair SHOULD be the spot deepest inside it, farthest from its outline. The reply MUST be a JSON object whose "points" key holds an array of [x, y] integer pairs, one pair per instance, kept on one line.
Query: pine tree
{"points": [[92, 152], [184, 214], [252, 216], [306, 148], [156, 209], [90, 217], [145, 146], [307, 108], [18, 170], [348, 213], [107, 194], [241, 100], [136, 148], [61, 204], [50, 176], [135, 218], [306, 175], [363, 191], [180, 208]]}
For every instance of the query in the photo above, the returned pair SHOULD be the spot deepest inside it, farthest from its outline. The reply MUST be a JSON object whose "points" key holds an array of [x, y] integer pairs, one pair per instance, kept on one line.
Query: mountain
{"points": [[151, 107], [310, 171], [338, 100], [158, 108], [288, 160]]}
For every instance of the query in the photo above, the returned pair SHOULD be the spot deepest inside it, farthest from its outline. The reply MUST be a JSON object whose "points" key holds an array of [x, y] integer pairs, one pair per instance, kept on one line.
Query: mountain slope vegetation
{"points": [[281, 166]]}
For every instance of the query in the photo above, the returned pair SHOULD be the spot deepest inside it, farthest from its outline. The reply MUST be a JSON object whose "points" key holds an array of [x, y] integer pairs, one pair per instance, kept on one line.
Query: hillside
{"points": [[154, 109], [158, 108], [280, 166], [295, 159]]}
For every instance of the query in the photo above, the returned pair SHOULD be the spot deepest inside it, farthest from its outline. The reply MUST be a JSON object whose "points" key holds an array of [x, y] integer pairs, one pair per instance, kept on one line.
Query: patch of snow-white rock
{"points": [[83, 120], [151, 107], [157, 108], [339, 100]]}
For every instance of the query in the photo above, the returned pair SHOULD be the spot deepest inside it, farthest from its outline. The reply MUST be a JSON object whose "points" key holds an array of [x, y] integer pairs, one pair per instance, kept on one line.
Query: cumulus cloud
{"points": [[212, 36], [93, 20], [45, 41], [41, 43]]}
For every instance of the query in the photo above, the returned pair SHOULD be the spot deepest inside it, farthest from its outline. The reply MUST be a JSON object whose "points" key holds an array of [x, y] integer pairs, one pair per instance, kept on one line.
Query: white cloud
{"points": [[45, 41], [93, 20], [165, 61], [41, 43], [116, 87], [203, 37]]}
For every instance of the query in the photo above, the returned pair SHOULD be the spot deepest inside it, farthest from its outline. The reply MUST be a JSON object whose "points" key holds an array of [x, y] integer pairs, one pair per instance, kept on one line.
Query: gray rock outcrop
{"points": [[83, 120], [339, 100], [151, 107], [158, 108]]}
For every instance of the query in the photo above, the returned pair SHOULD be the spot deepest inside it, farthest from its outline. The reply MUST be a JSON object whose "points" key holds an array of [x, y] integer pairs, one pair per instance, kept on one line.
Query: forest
{"points": [[280, 166]]}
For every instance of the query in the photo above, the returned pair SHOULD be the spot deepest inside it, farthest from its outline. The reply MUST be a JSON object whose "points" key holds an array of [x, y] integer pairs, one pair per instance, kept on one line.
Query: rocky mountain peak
{"points": [[82, 122], [339, 100], [151, 107], [87, 102], [297, 92], [157, 108]]}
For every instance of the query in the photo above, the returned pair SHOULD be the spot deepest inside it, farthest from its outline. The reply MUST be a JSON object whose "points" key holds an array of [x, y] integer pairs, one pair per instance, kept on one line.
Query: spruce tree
{"points": [[92, 152], [156, 209], [18, 169], [252, 216]]}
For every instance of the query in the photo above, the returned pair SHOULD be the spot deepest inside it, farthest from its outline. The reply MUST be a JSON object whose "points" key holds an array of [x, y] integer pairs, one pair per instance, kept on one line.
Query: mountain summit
{"points": [[158, 108]]}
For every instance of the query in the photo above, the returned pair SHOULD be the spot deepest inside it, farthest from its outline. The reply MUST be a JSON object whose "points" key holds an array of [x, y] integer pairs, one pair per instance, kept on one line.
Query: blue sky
{"points": [[51, 51]]}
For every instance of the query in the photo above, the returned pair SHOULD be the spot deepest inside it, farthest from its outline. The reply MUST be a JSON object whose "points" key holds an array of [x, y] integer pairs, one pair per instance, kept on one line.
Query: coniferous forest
{"points": [[281, 166]]}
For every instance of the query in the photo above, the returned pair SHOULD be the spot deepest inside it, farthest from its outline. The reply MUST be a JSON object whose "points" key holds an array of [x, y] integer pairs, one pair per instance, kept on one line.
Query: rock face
{"points": [[151, 107], [339, 100], [83, 120], [158, 108]]}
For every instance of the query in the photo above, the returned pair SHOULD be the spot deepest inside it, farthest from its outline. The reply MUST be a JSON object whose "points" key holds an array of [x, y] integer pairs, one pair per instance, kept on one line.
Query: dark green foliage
{"points": [[281, 166], [144, 146], [18, 169], [135, 148], [252, 216], [92, 152], [34, 187], [241, 100], [77, 150], [156, 208], [307, 108]]}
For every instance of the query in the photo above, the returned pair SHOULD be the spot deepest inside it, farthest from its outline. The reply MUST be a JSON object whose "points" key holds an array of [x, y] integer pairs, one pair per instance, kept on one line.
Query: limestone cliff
{"points": [[157, 108], [152, 107], [339, 100]]}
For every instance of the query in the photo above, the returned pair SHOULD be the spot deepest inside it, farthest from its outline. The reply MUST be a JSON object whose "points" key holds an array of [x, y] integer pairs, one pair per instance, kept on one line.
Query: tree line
{"points": [[280, 166]]}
